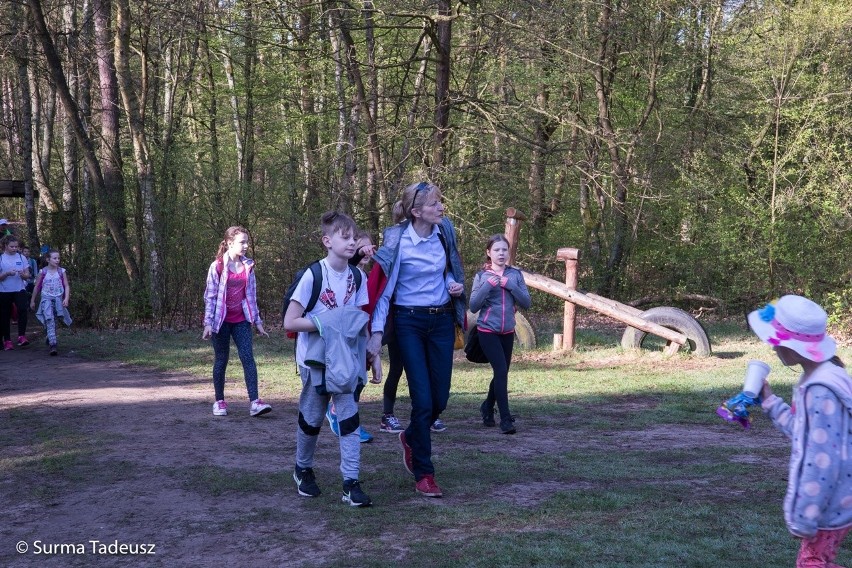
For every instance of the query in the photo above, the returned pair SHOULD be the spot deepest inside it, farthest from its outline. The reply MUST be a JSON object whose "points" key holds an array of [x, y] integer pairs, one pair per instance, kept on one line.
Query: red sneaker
{"points": [[428, 487], [406, 453]]}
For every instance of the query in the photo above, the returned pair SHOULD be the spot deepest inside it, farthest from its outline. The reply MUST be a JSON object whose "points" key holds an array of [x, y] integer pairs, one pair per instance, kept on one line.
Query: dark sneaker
{"points": [[487, 414], [306, 482], [53, 350], [353, 495], [507, 425], [428, 487], [407, 459], [390, 424], [438, 425]]}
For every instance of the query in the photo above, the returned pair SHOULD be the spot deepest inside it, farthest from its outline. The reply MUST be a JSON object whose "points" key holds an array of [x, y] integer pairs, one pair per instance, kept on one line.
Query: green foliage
{"points": [[729, 138]]}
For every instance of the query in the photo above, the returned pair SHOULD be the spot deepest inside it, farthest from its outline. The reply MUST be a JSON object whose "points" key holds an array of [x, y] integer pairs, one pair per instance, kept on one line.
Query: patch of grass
{"points": [[51, 458], [216, 480]]}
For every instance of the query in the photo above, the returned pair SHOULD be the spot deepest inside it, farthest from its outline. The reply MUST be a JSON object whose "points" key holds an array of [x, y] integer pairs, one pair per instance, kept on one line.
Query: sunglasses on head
{"points": [[423, 185]]}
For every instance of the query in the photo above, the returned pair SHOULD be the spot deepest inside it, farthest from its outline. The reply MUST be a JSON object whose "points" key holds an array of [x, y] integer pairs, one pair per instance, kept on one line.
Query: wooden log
{"points": [[616, 304], [559, 290]]}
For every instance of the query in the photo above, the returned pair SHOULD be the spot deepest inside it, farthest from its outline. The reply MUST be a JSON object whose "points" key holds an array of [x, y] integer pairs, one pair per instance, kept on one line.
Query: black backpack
{"points": [[316, 270]]}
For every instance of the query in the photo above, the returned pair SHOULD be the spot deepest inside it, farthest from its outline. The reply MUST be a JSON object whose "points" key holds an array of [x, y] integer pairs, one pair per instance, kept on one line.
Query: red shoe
{"points": [[428, 487], [406, 453]]}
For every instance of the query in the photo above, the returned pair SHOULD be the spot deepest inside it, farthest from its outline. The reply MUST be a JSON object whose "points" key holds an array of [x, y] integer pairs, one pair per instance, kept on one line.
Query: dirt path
{"points": [[101, 451], [126, 450]]}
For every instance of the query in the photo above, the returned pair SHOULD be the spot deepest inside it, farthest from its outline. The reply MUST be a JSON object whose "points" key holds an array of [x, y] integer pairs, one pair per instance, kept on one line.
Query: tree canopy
{"points": [[685, 146]]}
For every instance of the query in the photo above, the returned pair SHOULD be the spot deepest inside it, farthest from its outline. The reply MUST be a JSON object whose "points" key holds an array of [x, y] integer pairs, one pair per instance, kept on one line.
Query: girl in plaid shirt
{"points": [[230, 309]]}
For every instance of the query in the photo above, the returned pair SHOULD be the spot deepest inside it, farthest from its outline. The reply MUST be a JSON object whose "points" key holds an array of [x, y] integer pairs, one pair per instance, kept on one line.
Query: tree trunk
{"points": [[310, 137], [114, 223], [352, 66], [398, 180], [145, 173], [110, 149], [374, 183], [544, 129], [42, 115], [443, 33], [88, 191], [70, 155], [21, 50], [347, 117]]}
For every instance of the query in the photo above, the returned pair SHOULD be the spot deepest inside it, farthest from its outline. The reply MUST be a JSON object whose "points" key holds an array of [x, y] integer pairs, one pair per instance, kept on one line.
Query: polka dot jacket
{"points": [[819, 489]]}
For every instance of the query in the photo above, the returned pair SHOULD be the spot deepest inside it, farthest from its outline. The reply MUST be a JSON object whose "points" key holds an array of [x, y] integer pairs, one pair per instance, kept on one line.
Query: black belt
{"points": [[445, 309]]}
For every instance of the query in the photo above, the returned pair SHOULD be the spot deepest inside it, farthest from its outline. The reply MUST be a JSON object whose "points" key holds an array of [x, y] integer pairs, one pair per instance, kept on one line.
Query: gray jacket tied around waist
{"points": [[337, 352]]}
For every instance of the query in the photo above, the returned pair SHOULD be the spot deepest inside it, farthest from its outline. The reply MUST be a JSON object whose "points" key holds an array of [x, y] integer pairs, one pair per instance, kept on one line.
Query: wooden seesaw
{"points": [[677, 327]]}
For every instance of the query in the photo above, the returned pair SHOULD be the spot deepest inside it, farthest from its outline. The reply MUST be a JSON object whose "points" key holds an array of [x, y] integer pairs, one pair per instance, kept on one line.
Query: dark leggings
{"points": [[394, 374], [21, 301], [241, 332], [498, 348]]}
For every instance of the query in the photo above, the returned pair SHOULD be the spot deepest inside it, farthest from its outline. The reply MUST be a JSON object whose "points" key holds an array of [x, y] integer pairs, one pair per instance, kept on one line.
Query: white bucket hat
{"points": [[797, 323]]}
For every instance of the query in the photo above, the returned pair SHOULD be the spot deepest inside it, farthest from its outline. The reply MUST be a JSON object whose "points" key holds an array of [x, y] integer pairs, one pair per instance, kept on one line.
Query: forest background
{"points": [[694, 151]]}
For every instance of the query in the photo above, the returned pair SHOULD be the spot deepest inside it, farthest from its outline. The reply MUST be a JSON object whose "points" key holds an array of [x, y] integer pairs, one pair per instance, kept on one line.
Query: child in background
{"points": [[818, 503], [30, 282], [14, 270], [498, 290], [340, 297], [52, 282], [230, 309]]}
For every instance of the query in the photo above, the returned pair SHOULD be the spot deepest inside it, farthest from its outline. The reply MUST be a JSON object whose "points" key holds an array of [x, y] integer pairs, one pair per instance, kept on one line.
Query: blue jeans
{"points": [[426, 344], [241, 332]]}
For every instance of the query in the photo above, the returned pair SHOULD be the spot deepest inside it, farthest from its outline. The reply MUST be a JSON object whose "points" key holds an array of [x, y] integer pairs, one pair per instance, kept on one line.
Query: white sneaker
{"points": [[258, 408], [220, 408]]}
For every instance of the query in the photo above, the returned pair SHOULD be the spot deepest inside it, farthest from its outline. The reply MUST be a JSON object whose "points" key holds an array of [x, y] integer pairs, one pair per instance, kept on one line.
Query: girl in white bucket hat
{"points": [[818, 503]]}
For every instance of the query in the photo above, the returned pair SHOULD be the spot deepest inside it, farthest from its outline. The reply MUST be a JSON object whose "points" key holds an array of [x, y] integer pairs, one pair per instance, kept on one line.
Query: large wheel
{"points": [[524, 334], [673, 318]]}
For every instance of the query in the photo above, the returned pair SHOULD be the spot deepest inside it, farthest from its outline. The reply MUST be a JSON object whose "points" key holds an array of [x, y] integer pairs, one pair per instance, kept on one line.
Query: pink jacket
{"points": [[214, 295]]}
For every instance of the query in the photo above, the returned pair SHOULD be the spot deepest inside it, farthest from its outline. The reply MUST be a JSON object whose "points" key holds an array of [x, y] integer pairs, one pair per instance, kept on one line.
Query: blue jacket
{"points": [[387, 255]]}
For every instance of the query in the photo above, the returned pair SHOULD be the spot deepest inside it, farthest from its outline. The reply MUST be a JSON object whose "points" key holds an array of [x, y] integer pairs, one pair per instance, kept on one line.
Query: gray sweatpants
{"points": [[312, 408]]}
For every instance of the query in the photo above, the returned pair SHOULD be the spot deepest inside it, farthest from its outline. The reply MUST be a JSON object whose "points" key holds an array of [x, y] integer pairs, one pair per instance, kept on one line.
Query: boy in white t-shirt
{"points": [[339, 288]]}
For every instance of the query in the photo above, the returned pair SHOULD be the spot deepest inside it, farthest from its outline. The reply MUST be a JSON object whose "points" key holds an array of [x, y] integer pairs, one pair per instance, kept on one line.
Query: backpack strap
{"points": [[316, 271], [356, 274], [446, 249]]}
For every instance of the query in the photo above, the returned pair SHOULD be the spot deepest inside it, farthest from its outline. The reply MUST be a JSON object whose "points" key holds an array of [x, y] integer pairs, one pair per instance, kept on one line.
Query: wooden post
{"points": [[513, 227], [571, 256]]}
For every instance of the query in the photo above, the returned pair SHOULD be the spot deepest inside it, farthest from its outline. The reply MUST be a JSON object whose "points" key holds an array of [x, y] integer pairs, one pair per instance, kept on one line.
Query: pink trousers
{"points": [[821, 550]]}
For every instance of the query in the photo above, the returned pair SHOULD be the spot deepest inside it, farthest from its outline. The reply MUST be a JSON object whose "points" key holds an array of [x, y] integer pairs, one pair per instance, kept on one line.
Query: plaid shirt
{"points": [[214, 294]]}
